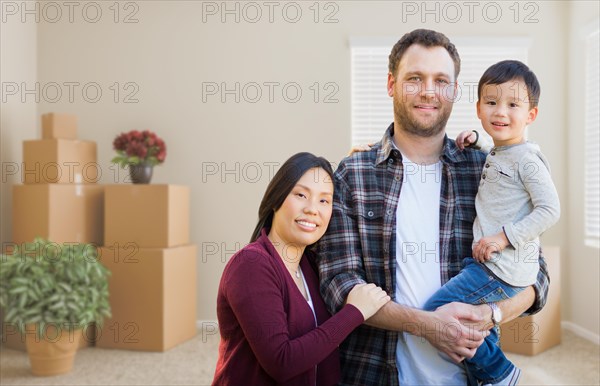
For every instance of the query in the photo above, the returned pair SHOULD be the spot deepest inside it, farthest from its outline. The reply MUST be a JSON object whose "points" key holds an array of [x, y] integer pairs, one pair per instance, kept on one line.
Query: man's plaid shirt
{"points": [[360, 243]]}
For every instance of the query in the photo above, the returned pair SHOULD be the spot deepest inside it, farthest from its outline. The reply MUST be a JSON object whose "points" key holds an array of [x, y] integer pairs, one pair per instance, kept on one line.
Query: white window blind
{"points": [[592, 140], [372, 109]]}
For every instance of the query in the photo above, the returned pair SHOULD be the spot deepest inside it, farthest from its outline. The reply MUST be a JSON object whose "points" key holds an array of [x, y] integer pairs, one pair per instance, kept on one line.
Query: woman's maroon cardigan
{"points": [[268, 333]]}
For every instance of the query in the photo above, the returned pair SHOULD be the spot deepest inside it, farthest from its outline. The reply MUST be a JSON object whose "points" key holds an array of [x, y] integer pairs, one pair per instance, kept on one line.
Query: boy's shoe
{"points": [[512, 379]]}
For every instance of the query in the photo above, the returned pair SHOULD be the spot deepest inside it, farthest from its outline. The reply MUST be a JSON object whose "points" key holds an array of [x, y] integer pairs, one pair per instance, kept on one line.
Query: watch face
{"points": [[496, 313]]}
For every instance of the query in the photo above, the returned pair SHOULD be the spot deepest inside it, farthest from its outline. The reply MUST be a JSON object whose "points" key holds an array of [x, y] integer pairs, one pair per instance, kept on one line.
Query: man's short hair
{"points": [[508, 70], [426, 38]]}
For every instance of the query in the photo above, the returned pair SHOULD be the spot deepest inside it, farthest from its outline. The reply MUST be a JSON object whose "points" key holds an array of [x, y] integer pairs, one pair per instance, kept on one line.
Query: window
{"points": [[592, 138], [372, 109]]}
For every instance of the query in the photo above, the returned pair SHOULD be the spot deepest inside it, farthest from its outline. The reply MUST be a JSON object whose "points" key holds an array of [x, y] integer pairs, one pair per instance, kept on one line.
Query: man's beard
{"points": [[410, 125]]}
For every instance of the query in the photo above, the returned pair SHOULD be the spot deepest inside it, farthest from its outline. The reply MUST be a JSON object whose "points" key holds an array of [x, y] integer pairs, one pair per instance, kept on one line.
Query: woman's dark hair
{"points": [[282, 184]]}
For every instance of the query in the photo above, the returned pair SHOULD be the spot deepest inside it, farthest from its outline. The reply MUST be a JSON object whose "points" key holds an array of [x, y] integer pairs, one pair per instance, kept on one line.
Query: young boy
{"points": [[515, 203]]}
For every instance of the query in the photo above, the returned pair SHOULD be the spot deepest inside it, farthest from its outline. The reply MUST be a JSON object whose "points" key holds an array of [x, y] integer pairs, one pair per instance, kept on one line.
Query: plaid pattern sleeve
{"points": [[356, 249], [540, 287], [340, 264]]}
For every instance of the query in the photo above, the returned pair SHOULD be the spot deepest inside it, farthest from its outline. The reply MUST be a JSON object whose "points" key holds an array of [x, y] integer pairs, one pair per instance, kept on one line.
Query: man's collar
{"points": [[387, 146], [450, 152]]}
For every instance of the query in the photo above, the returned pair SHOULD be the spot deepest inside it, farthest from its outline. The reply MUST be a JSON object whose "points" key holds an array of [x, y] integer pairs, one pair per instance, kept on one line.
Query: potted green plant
{"points": [[140, 151], [51, 292]]}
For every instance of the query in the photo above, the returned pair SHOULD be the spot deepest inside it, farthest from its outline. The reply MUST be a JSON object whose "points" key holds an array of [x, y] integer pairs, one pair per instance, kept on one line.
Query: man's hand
{"points": [[483, 249], [455, 329], [465, 139], [484, 314]]}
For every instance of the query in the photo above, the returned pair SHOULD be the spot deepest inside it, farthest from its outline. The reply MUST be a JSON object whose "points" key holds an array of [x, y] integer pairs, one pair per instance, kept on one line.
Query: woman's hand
{"points": [[359, 148], [368, 298], [465, 139]]}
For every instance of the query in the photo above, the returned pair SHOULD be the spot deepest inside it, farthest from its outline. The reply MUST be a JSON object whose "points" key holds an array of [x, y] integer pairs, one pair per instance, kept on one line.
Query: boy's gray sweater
{"points": [[516, 195]]}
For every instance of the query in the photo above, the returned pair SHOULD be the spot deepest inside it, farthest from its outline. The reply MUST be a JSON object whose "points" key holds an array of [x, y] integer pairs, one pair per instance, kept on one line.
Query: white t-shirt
{"points": [[418, 273]]}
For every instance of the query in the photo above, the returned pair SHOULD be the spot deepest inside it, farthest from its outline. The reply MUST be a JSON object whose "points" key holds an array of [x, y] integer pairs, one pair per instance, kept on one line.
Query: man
{"points": [[402, 219]]}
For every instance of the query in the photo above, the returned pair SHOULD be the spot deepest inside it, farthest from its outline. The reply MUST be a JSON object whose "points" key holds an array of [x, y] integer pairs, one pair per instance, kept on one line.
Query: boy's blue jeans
{"points": [[475, 285]]}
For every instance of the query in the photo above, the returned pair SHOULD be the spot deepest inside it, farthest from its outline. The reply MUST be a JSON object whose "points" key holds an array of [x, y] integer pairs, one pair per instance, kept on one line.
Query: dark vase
{"points": [[141, 173]]}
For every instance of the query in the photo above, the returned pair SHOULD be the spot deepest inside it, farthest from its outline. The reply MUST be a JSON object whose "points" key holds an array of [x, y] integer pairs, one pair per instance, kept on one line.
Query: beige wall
{"points": [[18, 63], [170, 52], [582, 300]]}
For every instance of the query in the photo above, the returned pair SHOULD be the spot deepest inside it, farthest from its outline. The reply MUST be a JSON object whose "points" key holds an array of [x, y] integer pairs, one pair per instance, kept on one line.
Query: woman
{"points": [[275, 328]]}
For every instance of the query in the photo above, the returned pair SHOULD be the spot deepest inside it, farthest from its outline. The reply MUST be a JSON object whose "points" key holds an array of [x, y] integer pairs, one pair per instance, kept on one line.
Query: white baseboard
{"points": [[580, 331]]}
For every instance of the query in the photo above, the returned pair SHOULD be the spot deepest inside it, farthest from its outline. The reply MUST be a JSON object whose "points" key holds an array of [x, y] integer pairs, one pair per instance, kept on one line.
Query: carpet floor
{"points": [[574, 362]]}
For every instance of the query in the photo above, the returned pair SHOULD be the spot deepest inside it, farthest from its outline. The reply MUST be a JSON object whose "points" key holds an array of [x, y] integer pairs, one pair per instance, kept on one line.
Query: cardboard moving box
{"points": [[151, 216], [530, 335], [65, 161], [58, 212], [59, 126], [152, 298]]}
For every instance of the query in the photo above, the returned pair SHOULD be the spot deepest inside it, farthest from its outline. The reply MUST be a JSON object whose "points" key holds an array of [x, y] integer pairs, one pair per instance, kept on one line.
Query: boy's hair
{"points": [[508, 70], [426, 38]]}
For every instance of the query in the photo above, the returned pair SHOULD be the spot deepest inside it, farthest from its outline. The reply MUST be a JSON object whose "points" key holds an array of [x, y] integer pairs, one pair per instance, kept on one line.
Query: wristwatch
{"points": [[496, 314]]}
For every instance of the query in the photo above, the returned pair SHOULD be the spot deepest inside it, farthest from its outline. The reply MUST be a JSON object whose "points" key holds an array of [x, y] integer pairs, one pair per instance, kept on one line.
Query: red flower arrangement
{"points": [[139, 147]]}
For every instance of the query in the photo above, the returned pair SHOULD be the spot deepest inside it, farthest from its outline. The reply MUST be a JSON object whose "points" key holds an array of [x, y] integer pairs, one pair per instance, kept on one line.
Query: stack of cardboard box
{"points": [[153, 284], [60, 199]]}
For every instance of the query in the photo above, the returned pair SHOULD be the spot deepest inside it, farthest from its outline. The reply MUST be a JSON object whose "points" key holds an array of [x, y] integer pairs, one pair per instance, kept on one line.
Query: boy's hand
{"points": [[358, 148], [465, 139], [483, 249]]}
